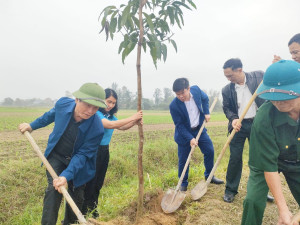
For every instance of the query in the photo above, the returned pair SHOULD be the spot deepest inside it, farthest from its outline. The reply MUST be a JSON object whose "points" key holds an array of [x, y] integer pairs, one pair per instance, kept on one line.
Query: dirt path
{"points": [[43, 133]]}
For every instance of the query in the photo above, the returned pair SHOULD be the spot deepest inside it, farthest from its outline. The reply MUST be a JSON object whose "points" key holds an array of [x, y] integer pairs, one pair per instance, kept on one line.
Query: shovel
{"points": [[172, 200], [63, 190], [201, 188]]}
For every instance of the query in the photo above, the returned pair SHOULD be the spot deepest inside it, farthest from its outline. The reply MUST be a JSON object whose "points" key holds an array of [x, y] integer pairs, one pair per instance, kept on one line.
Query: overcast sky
{"points": [[50, 47]]}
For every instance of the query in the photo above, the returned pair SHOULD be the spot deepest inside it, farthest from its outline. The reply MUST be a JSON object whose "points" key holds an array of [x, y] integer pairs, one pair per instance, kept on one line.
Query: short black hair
{"points": [[180, 84], [110, 92], [295, 38], [233, 63]]}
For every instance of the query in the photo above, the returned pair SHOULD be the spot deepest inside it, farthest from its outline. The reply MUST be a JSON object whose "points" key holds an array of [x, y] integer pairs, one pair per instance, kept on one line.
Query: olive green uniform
{"points": [[274, 146]]}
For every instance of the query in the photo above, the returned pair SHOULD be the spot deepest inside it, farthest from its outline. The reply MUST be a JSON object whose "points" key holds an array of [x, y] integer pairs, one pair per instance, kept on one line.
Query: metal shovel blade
{"points": [[172, 200], [199, 190]]}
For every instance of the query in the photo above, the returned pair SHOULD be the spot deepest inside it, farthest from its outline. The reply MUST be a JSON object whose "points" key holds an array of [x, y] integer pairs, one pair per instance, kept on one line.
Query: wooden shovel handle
{"points": [[64, 191], [193, 148], [231, 136]]}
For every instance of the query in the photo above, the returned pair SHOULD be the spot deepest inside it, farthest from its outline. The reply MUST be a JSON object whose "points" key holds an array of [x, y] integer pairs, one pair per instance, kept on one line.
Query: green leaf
{"points": [[106, 28], [120, 47], [103, 25], [152, 37], [130, 22], [144, 44], [149, 22], [148, 4], [111, 35], [119, 23], [127, 50], [171, 14], [153, 54], [124, 54], [113, 25], [178, 9], [158, 49], [126, 40], [164, 4], [182, 21], [106, 9], [136, 21], [114, 14], [182, 4], [125, 15], [192, 4], [174, 45], [164, 51], [177, 20], [164, 26]]}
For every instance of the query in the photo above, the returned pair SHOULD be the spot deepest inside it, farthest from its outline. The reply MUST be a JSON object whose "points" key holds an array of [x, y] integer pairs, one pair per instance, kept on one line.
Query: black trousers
{"points": [[52, 199], [235, 165], [93, 187]]}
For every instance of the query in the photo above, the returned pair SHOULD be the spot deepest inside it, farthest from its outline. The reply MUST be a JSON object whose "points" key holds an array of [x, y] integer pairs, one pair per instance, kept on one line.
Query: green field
{"points": [[10, 118], [23, 181]]}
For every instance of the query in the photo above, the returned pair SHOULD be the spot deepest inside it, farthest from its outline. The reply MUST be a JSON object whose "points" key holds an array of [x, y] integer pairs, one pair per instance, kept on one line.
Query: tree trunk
{"points": [[139, 107]]}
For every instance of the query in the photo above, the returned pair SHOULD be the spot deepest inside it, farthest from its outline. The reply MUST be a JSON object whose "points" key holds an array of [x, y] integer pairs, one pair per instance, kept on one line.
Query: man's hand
{"points": [[25, 127], [207, 117], [285, 218], [58, 182], [276, 59], [193, 142], [236, 125]]}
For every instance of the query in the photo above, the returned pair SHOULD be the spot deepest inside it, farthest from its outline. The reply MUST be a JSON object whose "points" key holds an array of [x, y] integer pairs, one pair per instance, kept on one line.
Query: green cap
{"points": [[91, 93], [281, 81]]}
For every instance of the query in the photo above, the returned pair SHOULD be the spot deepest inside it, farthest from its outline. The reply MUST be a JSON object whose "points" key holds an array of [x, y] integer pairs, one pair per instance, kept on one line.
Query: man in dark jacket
{"points": [[294, 48], [188, 110], [236, 96], [72, 147]]}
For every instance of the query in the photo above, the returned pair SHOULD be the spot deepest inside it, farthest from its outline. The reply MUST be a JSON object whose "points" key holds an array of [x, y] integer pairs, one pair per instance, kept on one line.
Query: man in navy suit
{"points": [[188, 110]]}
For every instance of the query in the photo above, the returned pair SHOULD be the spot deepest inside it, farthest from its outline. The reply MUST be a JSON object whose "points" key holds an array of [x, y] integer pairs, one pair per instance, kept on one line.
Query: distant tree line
{"points": [[33, 102], [126, 99]]}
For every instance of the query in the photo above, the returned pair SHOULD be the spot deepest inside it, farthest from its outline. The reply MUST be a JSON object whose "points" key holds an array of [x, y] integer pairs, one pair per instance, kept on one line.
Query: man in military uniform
{"points": [[275, 143]]}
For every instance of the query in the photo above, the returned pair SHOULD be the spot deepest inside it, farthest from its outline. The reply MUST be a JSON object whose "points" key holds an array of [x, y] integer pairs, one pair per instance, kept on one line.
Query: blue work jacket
{"points": [[82, 166], [183, 132]]}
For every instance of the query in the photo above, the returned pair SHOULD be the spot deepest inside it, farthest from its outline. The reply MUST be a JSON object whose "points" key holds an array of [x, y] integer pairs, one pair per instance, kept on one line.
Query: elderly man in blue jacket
{"points": [[188, 110], [72, 147]]}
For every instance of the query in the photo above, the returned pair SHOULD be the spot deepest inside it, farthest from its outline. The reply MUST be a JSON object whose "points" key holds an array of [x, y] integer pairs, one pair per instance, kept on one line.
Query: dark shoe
{"points": [[228, 198], [183, 188], [215, 180], [270, 198]]}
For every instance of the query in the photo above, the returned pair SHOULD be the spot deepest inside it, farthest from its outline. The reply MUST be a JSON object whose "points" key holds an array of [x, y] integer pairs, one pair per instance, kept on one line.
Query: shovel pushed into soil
{"points": [[172, 199], [201, 187], [64, 191]]}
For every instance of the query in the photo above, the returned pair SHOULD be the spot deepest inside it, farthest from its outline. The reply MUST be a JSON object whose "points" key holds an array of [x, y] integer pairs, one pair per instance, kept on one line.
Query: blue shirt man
{"points": [[188, 110], [72, 147]]}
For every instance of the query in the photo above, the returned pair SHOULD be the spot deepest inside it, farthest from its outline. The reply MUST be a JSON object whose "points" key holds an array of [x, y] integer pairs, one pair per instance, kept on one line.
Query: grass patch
{"points": [[23, 182]]}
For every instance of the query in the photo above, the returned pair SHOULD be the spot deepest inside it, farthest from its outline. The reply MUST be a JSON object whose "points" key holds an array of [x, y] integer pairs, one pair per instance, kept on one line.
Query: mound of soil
{"points": [[153, 214]]}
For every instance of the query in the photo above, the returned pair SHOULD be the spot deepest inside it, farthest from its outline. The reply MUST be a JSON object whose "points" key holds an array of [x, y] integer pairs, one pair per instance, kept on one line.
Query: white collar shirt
{"points": [[243, 97], [193, 111]]}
